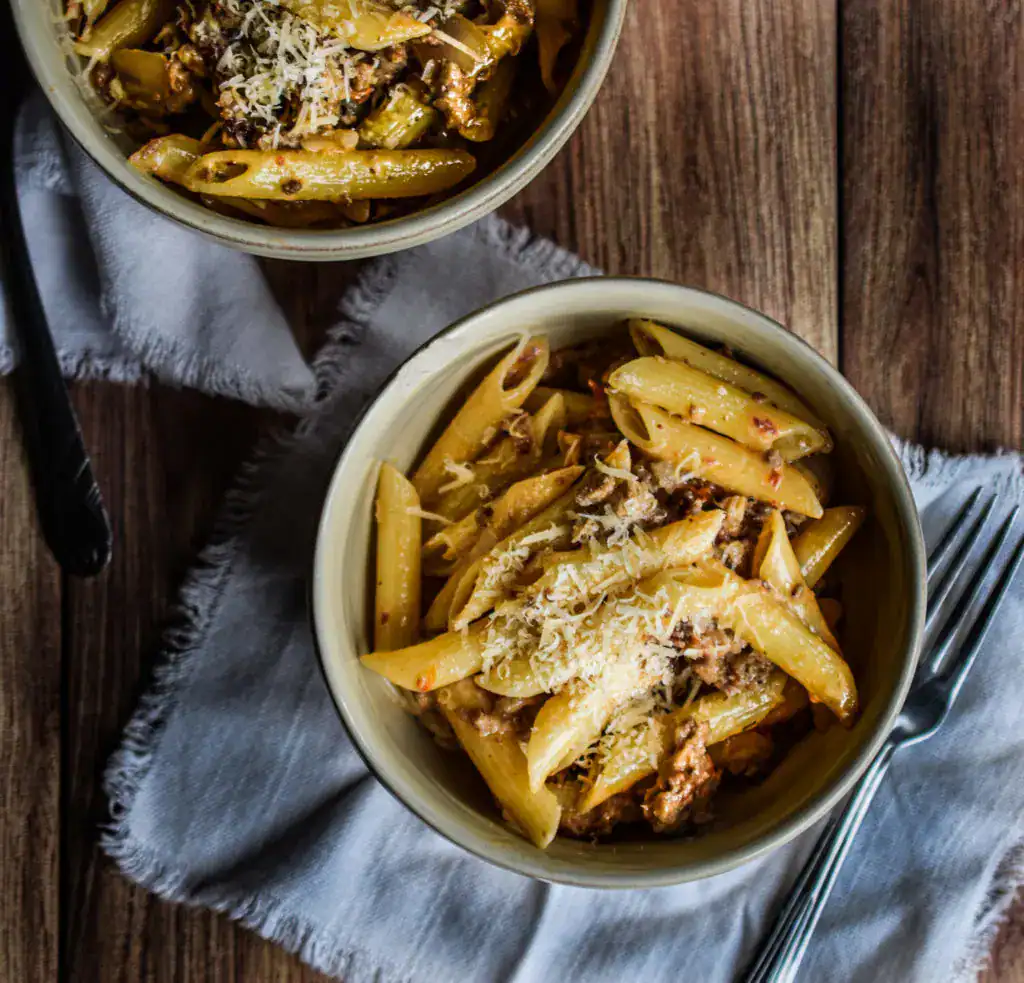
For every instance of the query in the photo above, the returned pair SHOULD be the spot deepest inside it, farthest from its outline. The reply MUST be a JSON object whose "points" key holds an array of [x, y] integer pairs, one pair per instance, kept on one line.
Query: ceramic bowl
{"points": [[881, 576], [40, 25]]}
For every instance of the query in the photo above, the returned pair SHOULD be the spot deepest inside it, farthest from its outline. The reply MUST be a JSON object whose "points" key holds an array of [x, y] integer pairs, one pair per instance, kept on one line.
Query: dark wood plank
{"points": [[164, 459], [708, 159], [932, 235], [1007, 961], [29, 724], [933, 206]]}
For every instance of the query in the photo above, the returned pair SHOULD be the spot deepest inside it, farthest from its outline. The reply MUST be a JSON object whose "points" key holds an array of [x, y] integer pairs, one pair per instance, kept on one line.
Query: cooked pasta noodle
{"points": [[618, 636], [382, 103]]}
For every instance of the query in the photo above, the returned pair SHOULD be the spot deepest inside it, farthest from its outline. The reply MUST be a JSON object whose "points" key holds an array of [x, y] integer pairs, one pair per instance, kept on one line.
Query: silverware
{"points": [[937, 683], [71, 513]]}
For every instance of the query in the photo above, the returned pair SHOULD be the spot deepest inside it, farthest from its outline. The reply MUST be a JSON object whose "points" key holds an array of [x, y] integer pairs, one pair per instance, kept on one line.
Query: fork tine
{"points": [[944, 644], [942, 548], [937, 596], [954, 676]]}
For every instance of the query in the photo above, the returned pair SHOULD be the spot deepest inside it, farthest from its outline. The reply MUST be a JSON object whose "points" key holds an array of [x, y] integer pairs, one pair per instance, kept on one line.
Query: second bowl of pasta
{"points": [[633, 594], [312, 130]]}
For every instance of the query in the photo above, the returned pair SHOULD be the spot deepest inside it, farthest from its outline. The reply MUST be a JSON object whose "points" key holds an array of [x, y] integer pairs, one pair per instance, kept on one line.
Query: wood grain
{"points": [[932, 236], [164, 460], [933, 216], [29, 724], [709, 159]]}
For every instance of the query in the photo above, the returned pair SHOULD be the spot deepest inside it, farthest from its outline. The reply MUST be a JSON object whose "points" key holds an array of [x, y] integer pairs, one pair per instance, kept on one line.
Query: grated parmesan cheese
{"points": [[431, 516], [462, 475]]}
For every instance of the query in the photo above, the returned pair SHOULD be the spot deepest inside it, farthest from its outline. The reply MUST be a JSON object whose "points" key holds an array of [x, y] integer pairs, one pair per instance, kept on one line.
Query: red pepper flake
{"points": [[775, 477], [766, 426], [384, 617], [425, 683]]}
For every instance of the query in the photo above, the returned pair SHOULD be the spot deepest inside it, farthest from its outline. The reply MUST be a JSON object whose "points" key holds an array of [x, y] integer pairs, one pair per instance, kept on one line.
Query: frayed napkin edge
{"points": [[199, 599], [200, 595]]}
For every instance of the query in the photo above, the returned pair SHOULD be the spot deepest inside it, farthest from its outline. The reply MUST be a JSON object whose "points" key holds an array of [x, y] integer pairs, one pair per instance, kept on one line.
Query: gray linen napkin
{"points": [[236, 787], [128, 293]]}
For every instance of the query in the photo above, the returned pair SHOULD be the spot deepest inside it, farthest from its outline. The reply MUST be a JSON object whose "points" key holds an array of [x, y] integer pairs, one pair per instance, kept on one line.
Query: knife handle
{"points": [[70, 508]]}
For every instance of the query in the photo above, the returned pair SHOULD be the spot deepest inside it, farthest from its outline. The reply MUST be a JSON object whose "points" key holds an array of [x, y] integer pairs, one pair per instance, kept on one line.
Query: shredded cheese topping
{"points": [[462, 475]]}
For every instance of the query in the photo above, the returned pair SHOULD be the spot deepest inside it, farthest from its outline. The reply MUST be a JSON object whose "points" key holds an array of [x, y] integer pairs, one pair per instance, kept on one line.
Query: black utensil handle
{"points": [[71, 513]]}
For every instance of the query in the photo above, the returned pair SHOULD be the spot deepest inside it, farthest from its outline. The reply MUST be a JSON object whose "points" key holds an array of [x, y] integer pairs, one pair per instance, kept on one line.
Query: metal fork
{"points": [[938, 681]]}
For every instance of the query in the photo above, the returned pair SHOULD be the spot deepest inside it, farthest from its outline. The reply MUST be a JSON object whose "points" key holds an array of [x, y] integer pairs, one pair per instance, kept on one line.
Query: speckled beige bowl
{"points": [[40, 25], [882, 575]]}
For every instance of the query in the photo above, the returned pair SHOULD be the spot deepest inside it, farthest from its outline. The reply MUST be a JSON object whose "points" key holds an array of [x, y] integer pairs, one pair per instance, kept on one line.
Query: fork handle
{"points": [[785, 947]]}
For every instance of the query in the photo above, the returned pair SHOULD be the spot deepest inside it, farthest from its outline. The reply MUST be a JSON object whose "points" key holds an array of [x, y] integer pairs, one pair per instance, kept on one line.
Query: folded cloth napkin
{"points": [[236, 787], [128, 294]]}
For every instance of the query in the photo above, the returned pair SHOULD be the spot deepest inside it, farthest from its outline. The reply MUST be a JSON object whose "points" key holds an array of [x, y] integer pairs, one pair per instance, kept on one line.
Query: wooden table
{"points": [[710, 158]]}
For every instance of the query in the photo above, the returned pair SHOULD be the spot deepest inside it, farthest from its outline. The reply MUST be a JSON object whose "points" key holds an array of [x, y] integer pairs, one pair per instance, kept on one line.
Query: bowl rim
{"points": [[820, 803], [421, 226]]}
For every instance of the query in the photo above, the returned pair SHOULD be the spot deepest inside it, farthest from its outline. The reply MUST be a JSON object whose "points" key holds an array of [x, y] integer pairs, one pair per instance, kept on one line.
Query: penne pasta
{"points": [[779, 635], [429, 665], [361, 24], [299, 175], [518, 504], [92, 11], [506, 462], [167, 158], [397, 600], [654, 339], [579, 408], [399, 122], [572, 581], [145, 83], [819, 543], [590, 641], [490, 103], [129, 24], [336, 102], [553, 23], [501, 393], [701, 399], [502, 765], [570, 722], [776, 564], [636, 753], [713, 458], [757, 618], [549, 529]]}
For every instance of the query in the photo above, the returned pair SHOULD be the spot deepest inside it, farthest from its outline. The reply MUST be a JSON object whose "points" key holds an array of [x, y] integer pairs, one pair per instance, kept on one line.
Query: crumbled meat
{"points": [[596, 488], [737, 554], [685, 781], [579, 366], [794, 522], [599, 821], [424, 707], [747, 670], [634, 501], [507, 715], [585, 529], [720, 659], [640, 505], [454, 101], [190, 57]]}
